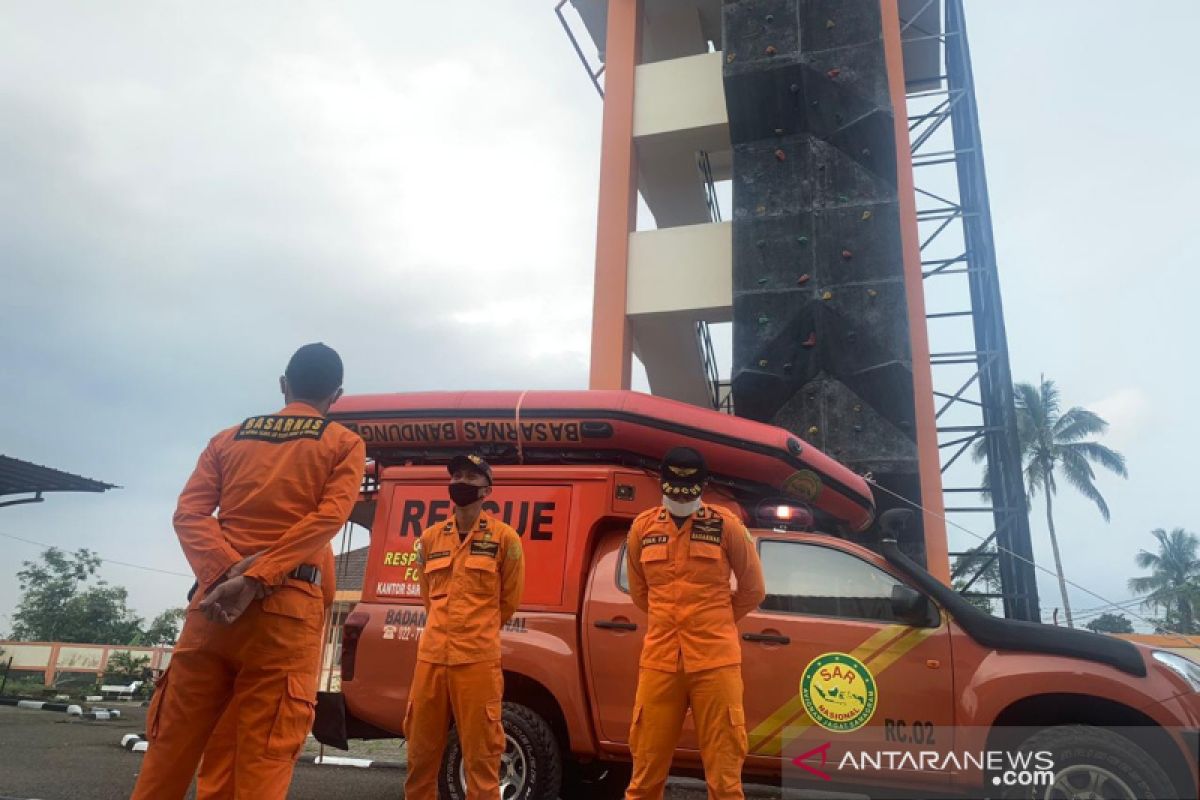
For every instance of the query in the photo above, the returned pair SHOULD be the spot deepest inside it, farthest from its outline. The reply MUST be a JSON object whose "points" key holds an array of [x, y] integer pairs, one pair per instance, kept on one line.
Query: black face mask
{"points": [[464, 494]]}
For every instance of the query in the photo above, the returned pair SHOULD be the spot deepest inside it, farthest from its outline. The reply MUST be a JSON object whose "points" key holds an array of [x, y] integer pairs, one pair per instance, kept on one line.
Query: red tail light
{"points": [[351, 631]]}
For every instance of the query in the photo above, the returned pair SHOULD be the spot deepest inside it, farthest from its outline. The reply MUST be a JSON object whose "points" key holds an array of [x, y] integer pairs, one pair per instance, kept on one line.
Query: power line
{"points": [[1108, 603], [45, 546]]}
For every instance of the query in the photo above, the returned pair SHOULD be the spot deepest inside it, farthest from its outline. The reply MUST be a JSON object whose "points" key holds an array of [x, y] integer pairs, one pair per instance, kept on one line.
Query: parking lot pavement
{"points": [[50, 756]]}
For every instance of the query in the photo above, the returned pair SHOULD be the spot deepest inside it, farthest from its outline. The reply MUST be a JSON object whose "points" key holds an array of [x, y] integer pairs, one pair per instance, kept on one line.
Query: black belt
{"points": [[309, 573]]}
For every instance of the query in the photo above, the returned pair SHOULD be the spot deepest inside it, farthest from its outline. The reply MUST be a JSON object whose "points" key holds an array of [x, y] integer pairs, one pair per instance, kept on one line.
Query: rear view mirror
{"points": [[910, 606]]}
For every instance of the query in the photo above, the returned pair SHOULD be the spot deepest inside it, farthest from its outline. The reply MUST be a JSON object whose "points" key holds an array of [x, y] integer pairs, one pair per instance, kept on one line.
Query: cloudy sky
{"points": [[189, 192]]}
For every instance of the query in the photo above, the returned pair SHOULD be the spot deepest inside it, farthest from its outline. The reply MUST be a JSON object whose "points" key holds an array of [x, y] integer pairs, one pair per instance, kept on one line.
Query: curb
{"points": [[70, 709], [136, 743], [41, 705], [345, 761]]}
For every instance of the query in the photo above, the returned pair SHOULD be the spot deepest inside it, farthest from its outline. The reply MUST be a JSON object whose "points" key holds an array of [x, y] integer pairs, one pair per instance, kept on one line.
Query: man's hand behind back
{"points": [[229, 600]]}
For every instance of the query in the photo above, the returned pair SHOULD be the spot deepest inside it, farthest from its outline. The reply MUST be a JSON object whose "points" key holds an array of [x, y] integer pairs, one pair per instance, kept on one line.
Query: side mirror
{"points": [[910, 606]]}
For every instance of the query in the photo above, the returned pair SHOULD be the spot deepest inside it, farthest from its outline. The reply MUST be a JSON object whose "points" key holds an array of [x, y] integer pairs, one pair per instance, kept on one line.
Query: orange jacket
{"points": [[680, 577], [282, 485], [469, 588]]}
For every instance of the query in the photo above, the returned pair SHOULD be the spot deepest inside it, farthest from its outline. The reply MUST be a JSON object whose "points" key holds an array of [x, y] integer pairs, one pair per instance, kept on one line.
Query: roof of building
{"points": [[24, 477], [349, 568]]}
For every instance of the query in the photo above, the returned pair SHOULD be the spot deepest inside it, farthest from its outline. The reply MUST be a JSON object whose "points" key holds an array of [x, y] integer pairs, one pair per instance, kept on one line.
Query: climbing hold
{"points": [[843, 198], [761, 243], [787, 367], [729, 58], [770, 18], [795, 87], [760, 210], [852, 336], [872, 293], [780, 155], [762, 362], [763, 319], [866, 151], [803, 279], [779, 131], [858, 407], [815, 103], [762, 281], [801, 240], [866, 215], [847, 255], [771, 50], [858, 428], [829, 24], [811, 341], [813, 430], [833, 73], [827, 296]]}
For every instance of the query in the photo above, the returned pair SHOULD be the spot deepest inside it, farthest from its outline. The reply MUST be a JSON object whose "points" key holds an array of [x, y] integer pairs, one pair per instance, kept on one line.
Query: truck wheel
{"points": [[530, 768], [1092, 762], [607, 781]]}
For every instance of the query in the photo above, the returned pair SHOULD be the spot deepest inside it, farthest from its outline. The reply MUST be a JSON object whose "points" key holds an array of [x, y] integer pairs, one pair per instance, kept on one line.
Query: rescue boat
{"points": [[630, 428]]}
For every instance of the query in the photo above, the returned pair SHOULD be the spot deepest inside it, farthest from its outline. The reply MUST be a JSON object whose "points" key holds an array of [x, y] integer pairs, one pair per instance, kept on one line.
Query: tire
{"points": [[531, 768], [1115, 766], [597, 781]]}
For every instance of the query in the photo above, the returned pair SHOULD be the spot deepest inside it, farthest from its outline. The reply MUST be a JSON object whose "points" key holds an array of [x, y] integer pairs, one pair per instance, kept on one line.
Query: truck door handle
{"points": [[767, 637], [615, 625]]}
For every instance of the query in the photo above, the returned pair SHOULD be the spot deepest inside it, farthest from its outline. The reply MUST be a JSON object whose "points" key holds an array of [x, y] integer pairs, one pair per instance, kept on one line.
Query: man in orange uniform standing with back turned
{"points": [[680, 556], [472, 574], [282, 485]]}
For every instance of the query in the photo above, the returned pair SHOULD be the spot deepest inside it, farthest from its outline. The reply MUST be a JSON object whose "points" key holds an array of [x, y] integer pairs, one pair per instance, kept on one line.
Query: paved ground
{"points": [[49, 756]]}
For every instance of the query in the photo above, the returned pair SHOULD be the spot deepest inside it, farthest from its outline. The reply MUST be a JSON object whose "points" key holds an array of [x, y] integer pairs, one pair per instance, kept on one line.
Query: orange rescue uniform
{"points": [[470, 589], [282, 486], [679, 575]]}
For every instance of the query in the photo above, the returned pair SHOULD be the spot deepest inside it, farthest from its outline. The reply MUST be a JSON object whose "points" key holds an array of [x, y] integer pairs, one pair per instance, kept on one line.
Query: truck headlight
{"points": [[1183, 667]]}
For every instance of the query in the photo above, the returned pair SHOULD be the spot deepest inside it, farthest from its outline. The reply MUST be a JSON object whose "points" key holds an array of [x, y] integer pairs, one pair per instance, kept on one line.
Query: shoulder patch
{"points": [[514, 551], [420, 551], [276, 428]]}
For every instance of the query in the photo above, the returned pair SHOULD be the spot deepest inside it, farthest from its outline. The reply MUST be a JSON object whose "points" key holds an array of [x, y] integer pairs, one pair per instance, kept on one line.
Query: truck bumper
{"points": [[335, 725]]}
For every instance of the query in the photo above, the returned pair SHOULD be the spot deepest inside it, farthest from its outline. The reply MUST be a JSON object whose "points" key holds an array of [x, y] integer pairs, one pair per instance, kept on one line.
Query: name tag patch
{"points": [[485, 548], [277, 429], [437, 555], [660, 538], [708, 530]]}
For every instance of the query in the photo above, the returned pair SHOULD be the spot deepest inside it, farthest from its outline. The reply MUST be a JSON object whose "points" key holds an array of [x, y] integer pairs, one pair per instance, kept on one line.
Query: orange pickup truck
{"points": [[862, 672]]}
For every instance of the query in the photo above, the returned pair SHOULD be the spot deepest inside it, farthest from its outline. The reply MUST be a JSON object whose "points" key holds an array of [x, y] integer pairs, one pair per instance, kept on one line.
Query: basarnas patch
{"points": [[708, 530], [277, 429], [485, 548]]}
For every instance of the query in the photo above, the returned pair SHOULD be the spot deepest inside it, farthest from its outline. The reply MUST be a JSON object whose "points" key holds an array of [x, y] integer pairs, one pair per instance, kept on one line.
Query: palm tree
{"points": [[1053, 443], [1174, 582]]}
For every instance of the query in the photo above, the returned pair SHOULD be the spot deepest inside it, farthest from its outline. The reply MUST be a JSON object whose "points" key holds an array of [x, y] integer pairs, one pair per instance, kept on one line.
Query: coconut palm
{"points": [[1052, 444], [1174, 582]]}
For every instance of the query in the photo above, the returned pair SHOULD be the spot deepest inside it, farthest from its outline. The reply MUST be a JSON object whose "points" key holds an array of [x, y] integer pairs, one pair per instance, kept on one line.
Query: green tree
{"points": [[123, 665], [165, 627], [980, 562], [1110, 623], [58, 605], [1174, 580], [1053, 444]]}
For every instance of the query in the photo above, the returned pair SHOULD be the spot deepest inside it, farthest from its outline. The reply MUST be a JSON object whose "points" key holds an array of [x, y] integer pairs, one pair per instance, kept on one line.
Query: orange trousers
{"points": [[715, 697], [263, 669], [473, 693]]}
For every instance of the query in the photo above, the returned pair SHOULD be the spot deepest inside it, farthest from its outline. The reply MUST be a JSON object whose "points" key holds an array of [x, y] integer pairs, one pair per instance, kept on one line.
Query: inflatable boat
{"points": [[622, 427]]}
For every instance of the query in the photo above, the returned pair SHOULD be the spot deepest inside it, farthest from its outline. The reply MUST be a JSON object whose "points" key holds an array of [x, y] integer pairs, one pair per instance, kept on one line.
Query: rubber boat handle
{"points": [[766, 637]]}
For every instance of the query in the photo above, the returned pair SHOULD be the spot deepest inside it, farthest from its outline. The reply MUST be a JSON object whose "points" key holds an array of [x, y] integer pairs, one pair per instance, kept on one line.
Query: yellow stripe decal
{"points": [[879, 651]]}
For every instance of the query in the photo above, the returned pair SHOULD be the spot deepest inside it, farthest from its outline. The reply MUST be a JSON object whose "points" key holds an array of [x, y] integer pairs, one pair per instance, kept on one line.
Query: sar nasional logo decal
{"points": [[838, 692]]}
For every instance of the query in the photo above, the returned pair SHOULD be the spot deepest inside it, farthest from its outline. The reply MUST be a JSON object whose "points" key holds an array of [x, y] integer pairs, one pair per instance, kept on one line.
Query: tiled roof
{"points": [[349, 569]]}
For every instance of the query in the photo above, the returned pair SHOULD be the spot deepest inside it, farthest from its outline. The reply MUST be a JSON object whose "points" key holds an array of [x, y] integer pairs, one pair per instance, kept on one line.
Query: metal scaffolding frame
{"points": [[969, 349]]}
